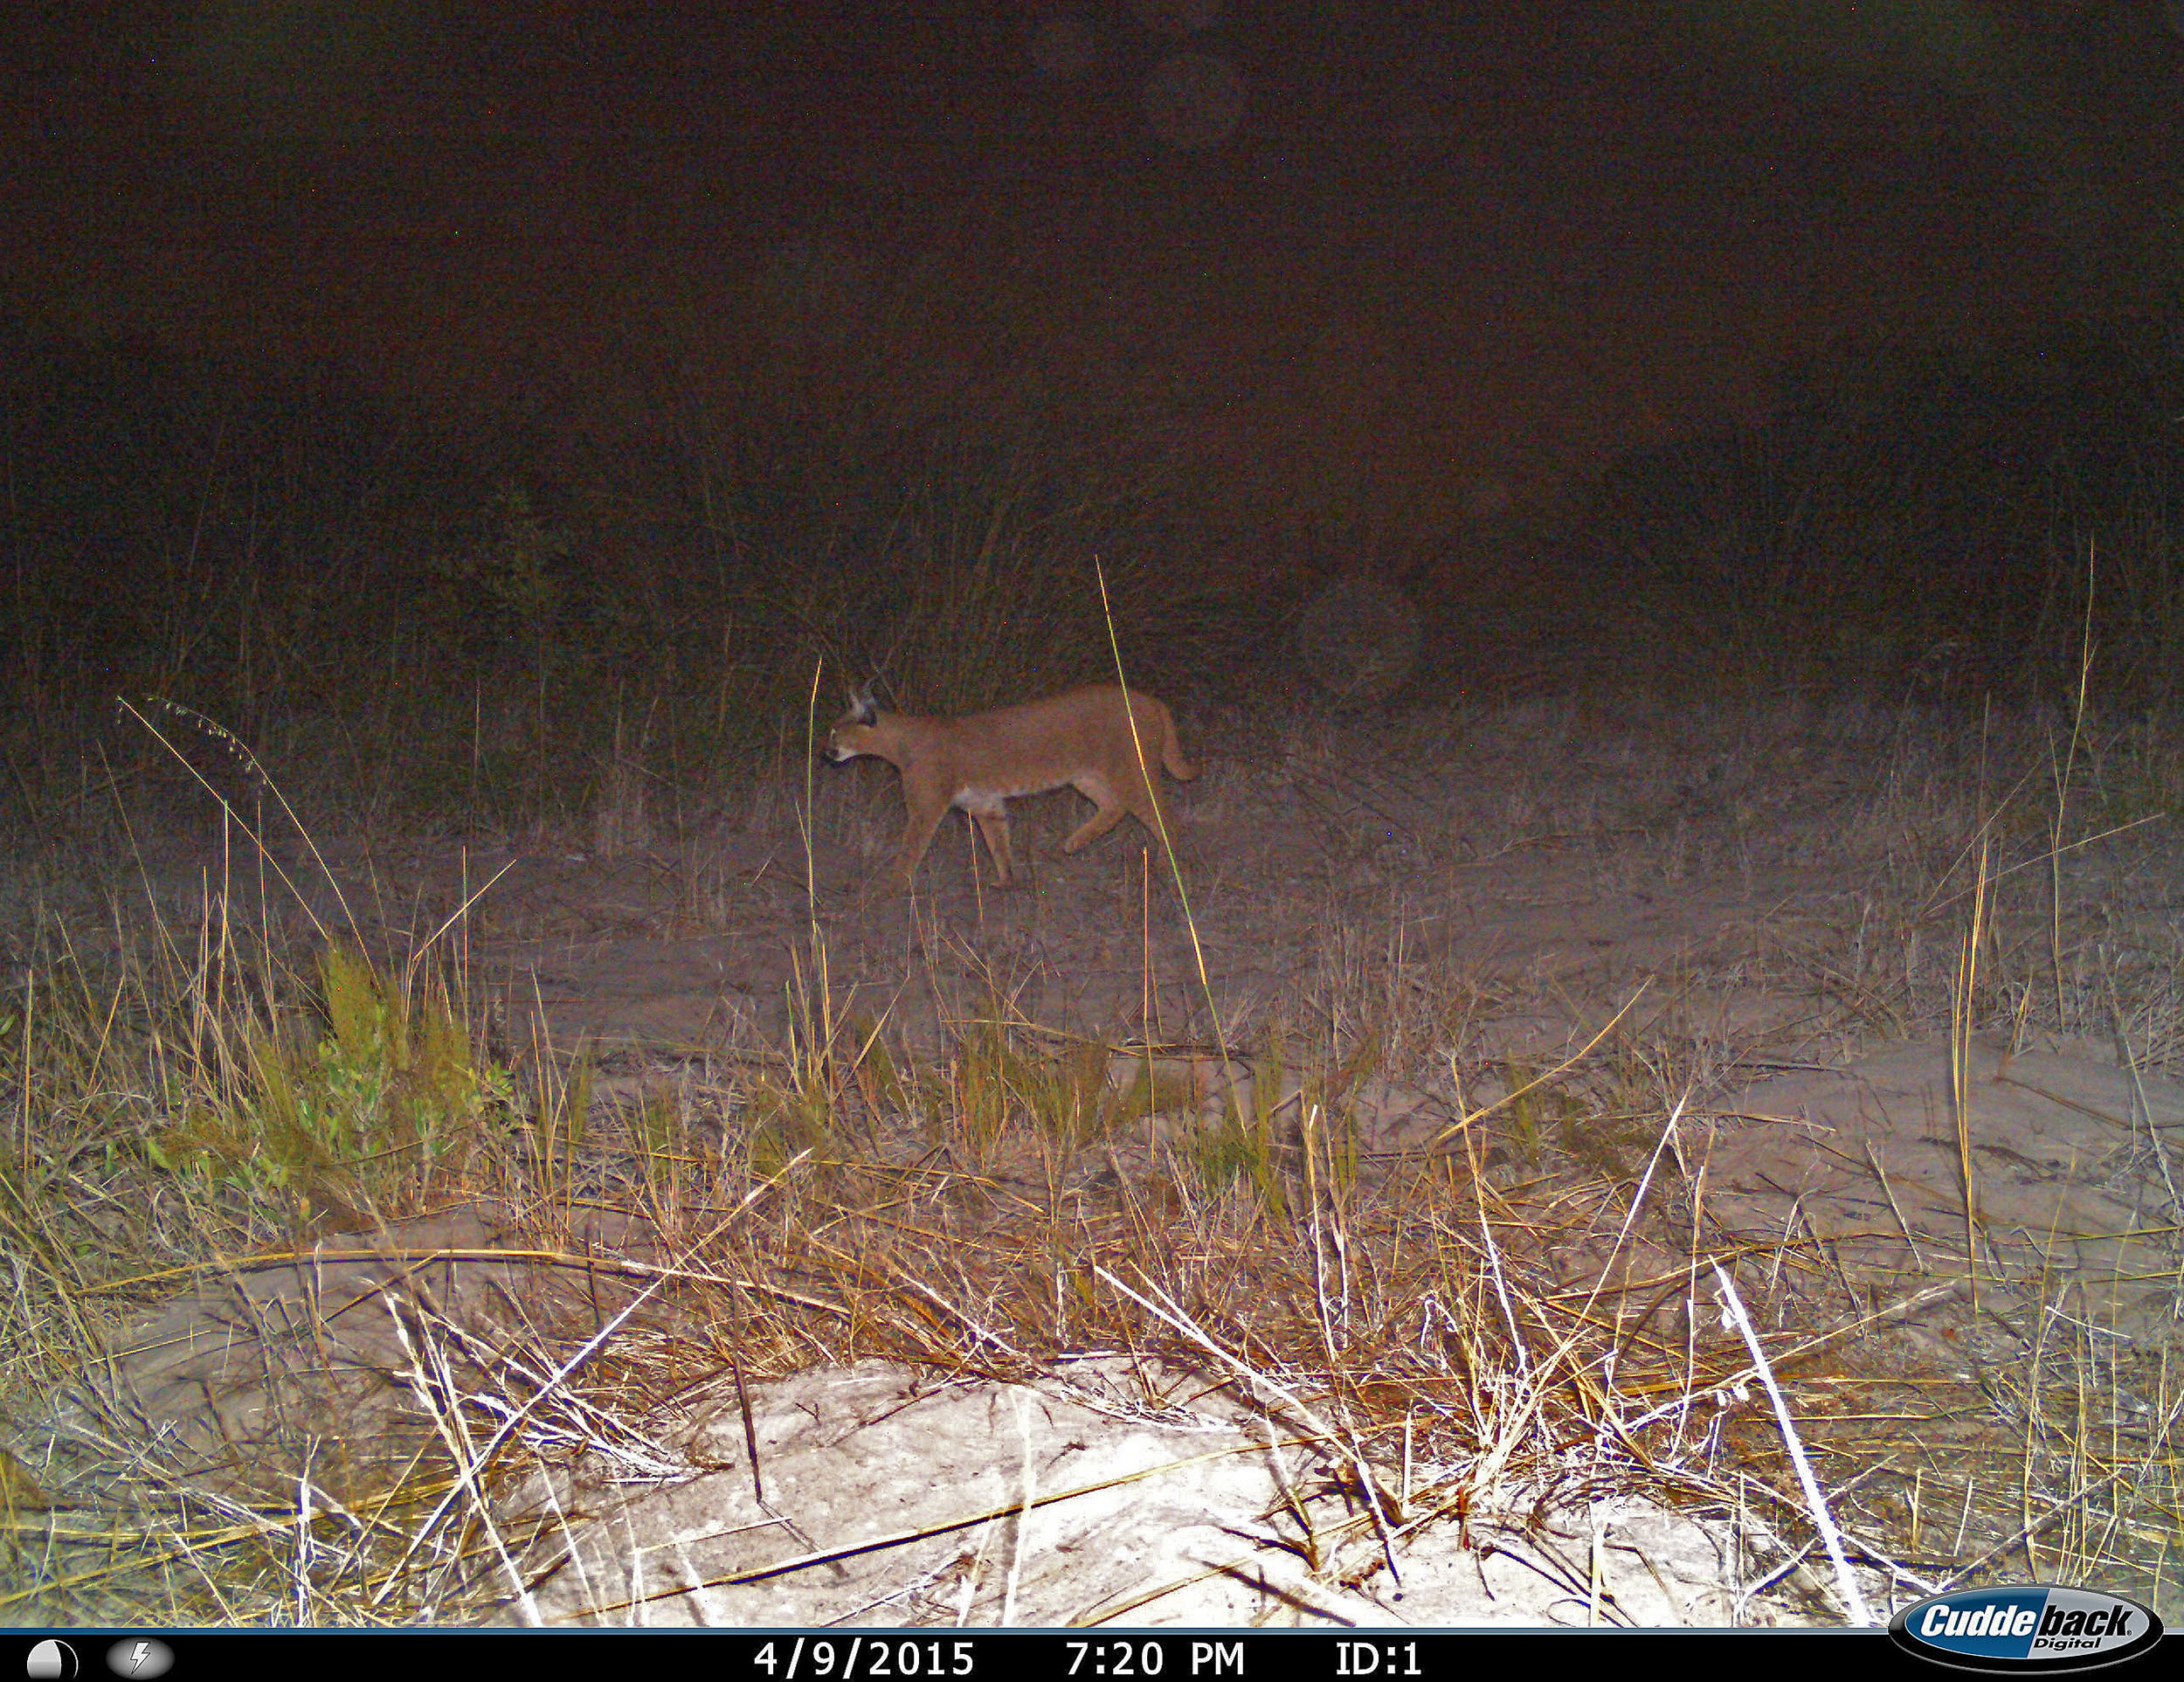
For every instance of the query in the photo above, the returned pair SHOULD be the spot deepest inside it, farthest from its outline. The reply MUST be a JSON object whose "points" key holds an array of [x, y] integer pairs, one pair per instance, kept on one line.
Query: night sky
{"points": [[1459, 254]]}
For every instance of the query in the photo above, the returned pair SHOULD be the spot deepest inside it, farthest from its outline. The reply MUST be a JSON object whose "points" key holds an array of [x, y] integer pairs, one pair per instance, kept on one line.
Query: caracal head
{"points": [[852, 733]]}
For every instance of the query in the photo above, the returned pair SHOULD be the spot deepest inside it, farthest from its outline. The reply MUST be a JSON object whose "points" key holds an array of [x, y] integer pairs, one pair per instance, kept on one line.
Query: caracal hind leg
{"points": [[1141, 799], [1152, 810], [1111, 810]]}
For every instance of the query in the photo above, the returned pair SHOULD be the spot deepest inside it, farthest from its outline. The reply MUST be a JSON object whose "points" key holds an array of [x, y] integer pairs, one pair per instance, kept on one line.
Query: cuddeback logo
{"points": [[2038, 1627]]}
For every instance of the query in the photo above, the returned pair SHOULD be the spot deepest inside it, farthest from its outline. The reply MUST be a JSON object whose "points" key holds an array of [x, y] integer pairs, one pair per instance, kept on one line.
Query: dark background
{"points": [[362, 352]]}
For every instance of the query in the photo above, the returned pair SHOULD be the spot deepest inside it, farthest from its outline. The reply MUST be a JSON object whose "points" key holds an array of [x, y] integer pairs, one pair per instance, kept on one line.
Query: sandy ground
{"points": [[1776, 900]]}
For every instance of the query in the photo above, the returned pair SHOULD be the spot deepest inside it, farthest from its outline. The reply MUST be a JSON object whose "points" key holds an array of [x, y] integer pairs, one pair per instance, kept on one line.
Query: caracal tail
{"points": [[1081, 739]]}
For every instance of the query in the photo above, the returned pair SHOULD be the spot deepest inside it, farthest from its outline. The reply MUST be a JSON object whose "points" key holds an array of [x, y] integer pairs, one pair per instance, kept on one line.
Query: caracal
{"points": [[981, 760]]}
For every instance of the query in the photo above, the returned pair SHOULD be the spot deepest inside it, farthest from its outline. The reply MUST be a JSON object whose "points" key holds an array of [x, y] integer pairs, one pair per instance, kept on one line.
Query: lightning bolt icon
{"points": [[138, 1658]]}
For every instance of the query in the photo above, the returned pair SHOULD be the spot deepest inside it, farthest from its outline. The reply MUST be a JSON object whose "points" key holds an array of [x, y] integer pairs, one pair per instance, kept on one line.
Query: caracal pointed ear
{"points": [[1108, 748], [850, 735]]}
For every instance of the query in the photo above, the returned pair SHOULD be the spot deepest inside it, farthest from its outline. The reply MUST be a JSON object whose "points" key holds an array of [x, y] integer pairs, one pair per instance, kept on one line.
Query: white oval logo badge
{"points": [[2034, 1627]]}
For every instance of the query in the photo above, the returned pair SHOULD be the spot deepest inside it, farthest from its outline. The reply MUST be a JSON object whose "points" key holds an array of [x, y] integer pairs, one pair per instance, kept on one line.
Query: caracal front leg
{"points": [[918, 835], [993, 823]]}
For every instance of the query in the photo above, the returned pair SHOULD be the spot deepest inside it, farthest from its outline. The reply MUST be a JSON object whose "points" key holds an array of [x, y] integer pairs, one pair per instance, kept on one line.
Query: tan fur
{"points": [[979, 762]]}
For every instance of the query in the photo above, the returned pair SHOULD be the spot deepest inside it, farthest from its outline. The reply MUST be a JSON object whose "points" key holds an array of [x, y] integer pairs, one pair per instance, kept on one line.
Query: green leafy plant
{"points": [[389, 1097]]}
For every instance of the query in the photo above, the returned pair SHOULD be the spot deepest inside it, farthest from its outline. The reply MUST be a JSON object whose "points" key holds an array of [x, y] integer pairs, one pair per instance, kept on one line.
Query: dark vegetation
{"points": [[467, 614]]}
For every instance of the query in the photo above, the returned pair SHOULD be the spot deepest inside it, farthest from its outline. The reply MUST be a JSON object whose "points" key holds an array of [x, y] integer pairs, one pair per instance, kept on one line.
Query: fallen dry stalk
{"points": [[1846, 1582]]}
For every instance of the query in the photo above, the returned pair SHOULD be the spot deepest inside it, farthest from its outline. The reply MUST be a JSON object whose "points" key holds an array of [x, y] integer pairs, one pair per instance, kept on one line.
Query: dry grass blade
{"points": [[1853, 1598]]}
